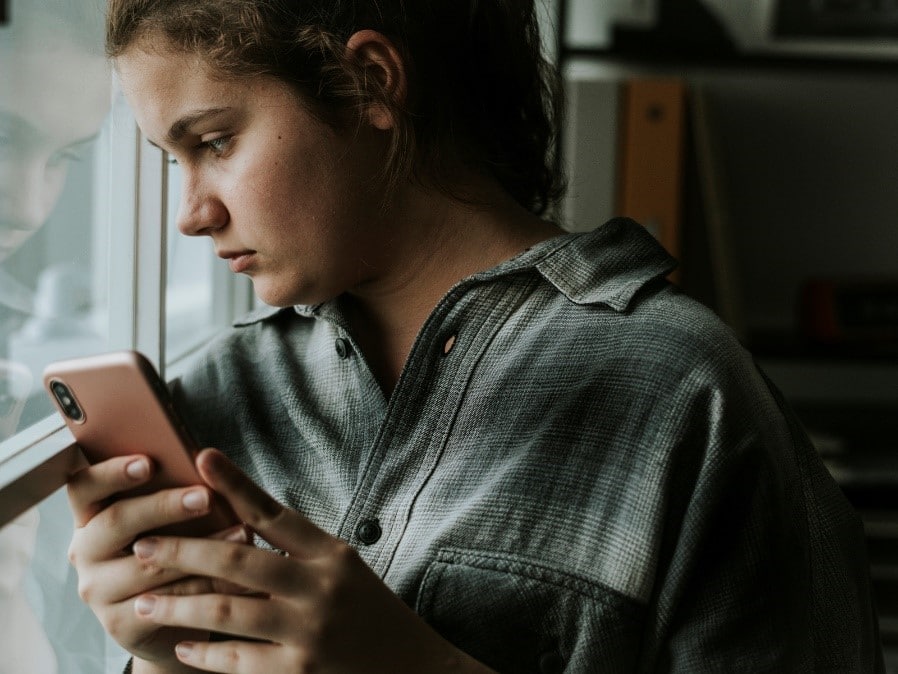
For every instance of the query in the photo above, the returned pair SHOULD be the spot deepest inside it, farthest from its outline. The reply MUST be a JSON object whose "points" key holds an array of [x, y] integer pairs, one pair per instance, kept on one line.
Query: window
{"points": [[202, 295], [90, 260]]}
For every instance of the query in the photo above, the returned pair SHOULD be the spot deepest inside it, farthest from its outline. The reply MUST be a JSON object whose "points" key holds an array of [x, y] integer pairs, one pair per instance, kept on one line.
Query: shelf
{"points": [[802, 140], [689, 58], [793, 347]]}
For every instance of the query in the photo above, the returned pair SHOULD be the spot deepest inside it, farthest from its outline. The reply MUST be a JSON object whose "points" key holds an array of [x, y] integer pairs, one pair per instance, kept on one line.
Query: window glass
{"points": [[189, 302], [55, 181], [54, 97]]}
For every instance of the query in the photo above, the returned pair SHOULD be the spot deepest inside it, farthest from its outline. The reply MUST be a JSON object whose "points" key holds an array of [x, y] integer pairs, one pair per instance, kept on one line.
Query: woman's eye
{"points": [[218, 145]]}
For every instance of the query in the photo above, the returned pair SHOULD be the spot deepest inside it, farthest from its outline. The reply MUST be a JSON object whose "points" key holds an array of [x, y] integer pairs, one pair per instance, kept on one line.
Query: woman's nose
{"points": [[200, 211]]}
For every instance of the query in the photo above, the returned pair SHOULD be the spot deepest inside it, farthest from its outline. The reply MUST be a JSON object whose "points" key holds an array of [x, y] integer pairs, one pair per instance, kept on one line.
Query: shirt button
{"points": [[551, 663], [368, 531], [342, 347]]}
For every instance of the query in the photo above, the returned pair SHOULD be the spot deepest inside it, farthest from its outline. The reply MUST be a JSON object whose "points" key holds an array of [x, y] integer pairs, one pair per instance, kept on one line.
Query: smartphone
{"points": [[117, 404]]}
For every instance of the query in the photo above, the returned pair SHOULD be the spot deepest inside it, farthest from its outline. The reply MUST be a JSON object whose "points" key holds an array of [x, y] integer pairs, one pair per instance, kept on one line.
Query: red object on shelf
{"points": [[838, 311]]}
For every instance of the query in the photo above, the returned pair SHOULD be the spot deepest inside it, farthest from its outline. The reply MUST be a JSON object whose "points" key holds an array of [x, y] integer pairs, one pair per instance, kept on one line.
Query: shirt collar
{"points": [[608, 266]]}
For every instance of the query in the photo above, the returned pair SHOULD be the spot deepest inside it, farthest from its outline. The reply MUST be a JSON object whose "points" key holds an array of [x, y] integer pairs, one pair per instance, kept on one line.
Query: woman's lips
{"points": [[241, 262], [238, 260]]}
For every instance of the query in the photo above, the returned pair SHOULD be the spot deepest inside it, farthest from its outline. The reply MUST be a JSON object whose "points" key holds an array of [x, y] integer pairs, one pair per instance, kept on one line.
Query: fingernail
{"points": [[184, 649], [138, 469], [145, 547], [145, 605], [196, 500]]}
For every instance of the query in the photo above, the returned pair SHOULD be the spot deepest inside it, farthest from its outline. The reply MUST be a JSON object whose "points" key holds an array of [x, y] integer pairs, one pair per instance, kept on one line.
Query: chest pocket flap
{"points": [[519, 617]]}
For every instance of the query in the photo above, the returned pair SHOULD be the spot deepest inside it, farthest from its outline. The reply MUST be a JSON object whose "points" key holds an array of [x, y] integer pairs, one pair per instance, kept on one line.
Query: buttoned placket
{"points": [[423, 406]]}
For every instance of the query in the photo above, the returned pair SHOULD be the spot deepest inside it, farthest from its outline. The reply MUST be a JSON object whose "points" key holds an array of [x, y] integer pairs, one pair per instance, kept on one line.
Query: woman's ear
{"points": [[381, 60]]}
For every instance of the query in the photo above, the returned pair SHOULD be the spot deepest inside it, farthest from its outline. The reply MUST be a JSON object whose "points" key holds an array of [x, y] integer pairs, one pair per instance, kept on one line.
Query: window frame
{"points": [[37, 461]]}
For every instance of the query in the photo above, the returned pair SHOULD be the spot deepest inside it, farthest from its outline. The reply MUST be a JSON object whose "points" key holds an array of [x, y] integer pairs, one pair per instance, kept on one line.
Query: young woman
{"points": [[467, 442]]}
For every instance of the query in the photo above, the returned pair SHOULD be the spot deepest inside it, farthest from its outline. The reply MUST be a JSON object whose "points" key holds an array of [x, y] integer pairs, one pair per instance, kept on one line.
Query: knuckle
{"points": [[267, 516], [235, 556], [344, 555], [115, 626], [113, 516], [222, 611], [328, 588], [344, 564], [86, 590], [232, 658], [81, 483], [150, 570]]}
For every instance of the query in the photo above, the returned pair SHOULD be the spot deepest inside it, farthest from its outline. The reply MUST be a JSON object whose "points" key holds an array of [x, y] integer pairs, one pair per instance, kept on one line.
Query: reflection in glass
{"points": [[54, 96], [55, 90]]}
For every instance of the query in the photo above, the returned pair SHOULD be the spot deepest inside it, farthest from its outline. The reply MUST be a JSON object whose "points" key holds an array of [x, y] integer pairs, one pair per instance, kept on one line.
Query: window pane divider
{"points": [[40, 467], [38, 460], [150, 264]]}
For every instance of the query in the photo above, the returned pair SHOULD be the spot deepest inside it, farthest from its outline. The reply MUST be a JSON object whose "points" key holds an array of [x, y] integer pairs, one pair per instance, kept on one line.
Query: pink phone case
{"points": [[116, 404]]}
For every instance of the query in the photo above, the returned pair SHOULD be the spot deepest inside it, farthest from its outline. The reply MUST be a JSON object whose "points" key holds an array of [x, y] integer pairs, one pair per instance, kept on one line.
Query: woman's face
{"points": [[285, 199], [52, 101]]}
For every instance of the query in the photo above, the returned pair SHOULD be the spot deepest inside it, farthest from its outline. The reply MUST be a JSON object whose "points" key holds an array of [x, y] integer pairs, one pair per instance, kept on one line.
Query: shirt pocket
{"points": [[517, 616]]}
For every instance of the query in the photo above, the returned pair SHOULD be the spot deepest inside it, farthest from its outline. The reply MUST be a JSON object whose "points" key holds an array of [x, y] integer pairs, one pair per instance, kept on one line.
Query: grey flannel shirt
{"points": [[580, 470]]}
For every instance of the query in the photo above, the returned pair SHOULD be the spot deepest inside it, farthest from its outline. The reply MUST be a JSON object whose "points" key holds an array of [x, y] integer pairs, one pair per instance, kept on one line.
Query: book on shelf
{"points": [[850, 311], [648, 148], [652, 137]]}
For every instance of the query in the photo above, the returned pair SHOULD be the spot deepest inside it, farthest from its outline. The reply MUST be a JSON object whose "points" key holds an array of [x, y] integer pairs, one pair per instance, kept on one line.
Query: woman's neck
{"points": [[438, 241]]}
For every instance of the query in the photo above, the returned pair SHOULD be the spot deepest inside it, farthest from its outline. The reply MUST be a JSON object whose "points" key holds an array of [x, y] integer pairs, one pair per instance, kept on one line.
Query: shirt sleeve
{"points": [[763, 564]]}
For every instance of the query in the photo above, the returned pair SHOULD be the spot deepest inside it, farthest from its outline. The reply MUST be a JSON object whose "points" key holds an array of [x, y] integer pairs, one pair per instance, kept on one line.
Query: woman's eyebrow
{"points": [[181, 126]]}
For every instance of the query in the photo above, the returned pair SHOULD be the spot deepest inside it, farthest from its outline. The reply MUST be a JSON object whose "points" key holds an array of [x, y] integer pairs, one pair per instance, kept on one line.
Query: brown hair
{"points": [[480, 93]]}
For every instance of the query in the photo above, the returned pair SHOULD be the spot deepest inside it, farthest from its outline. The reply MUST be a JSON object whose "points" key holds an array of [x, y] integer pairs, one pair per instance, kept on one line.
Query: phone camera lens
{"points": [[66, 401]]}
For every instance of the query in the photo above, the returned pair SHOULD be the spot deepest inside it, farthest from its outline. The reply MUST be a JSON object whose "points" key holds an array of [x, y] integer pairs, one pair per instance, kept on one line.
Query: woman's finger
{"points": [[193, 585], [236, 657], [283, 528], [249, 616], [89, 488], [115, 527], [207, 584], [121, 579], [243, 565]]}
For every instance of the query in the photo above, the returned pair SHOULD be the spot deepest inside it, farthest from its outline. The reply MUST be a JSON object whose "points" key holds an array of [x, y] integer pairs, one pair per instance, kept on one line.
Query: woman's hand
{"points": [[109, 575], [319, 609]]}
